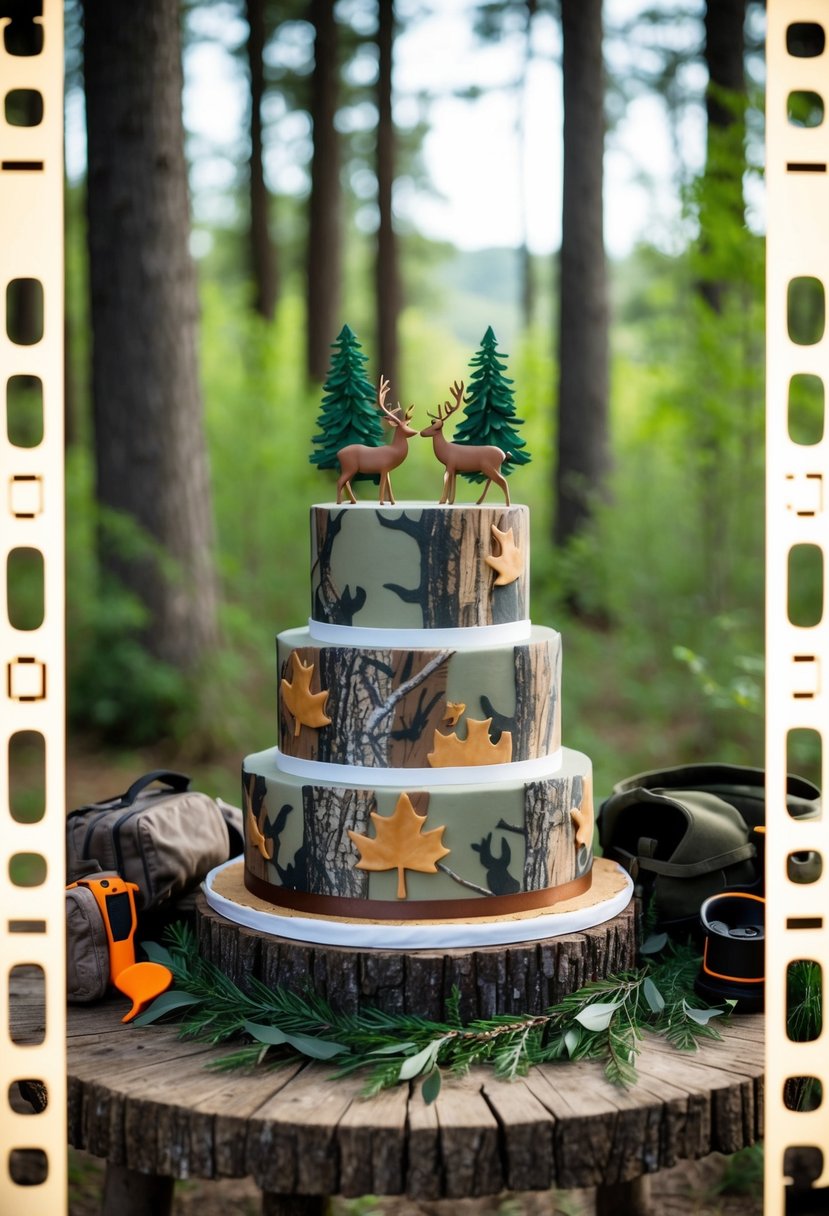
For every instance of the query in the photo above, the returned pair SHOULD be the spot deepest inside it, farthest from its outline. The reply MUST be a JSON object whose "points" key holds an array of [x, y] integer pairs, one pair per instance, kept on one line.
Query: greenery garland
{"points": [[603, 1020]]}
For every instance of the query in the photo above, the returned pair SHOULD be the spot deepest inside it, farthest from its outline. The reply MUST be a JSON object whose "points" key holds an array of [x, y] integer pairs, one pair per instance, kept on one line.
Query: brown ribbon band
{"points": [[416, 909]]}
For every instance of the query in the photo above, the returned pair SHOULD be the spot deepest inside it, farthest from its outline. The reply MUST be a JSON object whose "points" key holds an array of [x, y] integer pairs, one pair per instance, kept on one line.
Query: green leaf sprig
{"points": [[604, 1020]]}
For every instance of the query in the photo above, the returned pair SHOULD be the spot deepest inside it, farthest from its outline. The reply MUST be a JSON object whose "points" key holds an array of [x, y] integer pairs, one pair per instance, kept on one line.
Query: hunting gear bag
{"points": [[87, 948], [153, 844], [160, 835], [694, 831]]}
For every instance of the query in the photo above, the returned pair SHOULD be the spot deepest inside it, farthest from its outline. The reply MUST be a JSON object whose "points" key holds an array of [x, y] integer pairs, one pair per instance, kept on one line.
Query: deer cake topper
{"points": [[350, 437], [360, 458], [461, 457]]}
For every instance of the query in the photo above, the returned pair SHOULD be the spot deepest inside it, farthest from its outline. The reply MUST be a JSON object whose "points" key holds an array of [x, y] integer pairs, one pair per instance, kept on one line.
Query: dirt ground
{"points": [[693, 1188]]}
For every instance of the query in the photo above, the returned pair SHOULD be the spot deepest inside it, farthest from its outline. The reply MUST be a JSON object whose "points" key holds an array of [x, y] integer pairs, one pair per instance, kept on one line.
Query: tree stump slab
{"points": [[524, 977], [148, 1102]]}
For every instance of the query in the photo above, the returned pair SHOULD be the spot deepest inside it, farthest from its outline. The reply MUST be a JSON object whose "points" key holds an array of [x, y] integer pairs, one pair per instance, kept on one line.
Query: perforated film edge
{"points": [[797, 658], [32, 662]]}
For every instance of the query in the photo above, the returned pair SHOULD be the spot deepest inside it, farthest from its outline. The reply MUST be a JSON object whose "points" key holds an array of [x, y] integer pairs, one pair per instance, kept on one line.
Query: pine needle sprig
{"points": [[604, 1020]]}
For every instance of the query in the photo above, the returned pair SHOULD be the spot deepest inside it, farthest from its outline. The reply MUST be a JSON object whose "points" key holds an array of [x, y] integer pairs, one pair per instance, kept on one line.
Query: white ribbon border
{"points": [[409, 778], [473, 637]]}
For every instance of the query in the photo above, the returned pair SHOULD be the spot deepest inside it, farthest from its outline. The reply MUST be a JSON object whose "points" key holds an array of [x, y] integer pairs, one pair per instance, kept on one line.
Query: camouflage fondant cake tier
{"points": [[405, 851], [430, 707], [419, 566], [419, 773]]}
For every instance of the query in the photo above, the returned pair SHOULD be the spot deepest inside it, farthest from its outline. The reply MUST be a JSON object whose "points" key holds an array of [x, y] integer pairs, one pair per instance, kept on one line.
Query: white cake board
{"points": [[593, 908]]}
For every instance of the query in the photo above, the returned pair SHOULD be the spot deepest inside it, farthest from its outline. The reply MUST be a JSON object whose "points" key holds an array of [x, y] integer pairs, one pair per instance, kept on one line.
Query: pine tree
{"points": [[349, 406], [489, 409]]}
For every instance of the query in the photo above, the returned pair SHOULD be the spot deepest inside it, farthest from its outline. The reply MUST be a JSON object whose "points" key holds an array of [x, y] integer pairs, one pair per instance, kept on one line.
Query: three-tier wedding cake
{"points": [[419, 774]]}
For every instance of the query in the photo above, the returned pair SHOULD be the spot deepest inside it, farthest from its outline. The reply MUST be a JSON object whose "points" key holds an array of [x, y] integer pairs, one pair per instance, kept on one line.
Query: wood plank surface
{"points": [[468, 1139], [143, 1098], [527, 1128], [292, 1142], [372, 1143]]}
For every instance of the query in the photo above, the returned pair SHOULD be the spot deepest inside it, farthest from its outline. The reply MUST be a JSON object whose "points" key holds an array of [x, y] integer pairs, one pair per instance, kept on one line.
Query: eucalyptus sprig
{"points": [[605, 1020]]}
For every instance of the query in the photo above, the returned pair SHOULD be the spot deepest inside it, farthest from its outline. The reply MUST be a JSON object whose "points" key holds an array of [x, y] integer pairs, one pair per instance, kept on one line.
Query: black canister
{"points": [[734, 954]]}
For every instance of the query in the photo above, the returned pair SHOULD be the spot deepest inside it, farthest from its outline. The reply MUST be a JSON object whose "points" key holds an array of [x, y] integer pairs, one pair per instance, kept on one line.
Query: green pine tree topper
{"points": [[489, 409], [349, 405]]}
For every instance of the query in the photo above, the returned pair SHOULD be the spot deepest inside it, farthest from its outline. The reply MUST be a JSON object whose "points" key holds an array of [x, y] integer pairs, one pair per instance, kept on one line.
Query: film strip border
{"points": [[797, 649], [33, 1173]]}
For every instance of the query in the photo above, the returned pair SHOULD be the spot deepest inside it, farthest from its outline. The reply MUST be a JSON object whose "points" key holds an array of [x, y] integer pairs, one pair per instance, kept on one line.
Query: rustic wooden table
{"points": [[145, 1101]]}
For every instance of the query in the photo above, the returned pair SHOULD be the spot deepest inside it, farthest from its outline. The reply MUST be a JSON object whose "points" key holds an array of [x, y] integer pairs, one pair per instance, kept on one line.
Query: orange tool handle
{"points": [[116, 900]]}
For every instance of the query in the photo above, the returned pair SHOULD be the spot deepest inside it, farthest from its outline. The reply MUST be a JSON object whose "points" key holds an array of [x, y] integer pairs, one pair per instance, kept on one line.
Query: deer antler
{"points": [[382, 393], [438, 417], [455, 391]]}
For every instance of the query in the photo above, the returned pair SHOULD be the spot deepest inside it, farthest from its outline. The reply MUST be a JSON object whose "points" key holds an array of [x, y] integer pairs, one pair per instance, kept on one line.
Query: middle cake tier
{"points": [[419, 707]]}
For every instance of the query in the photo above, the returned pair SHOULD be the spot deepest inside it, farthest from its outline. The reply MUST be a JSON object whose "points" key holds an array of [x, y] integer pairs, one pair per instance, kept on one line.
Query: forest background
{"points": [[196, 352]]}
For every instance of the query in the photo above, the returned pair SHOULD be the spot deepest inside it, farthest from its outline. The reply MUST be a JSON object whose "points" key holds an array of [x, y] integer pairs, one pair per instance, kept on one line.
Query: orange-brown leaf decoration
{"points": [[399, 844], [582, 817], [509, 564], [476, 748], [254, 833], [454, 712], [306, 706]]}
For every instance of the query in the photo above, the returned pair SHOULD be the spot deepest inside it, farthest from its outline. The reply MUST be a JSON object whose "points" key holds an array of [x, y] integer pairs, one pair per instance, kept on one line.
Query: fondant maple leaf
{"points": [[476, 748], [254, 832], [454, 712], [509, 564], [399, 844], [582, 817], [306, 706]]}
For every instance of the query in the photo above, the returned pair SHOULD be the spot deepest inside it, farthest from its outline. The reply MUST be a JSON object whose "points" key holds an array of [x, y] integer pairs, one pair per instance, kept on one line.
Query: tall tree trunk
{"points": [[725, 112], [525, 260], [387, 279], [583, 441], [721, 218], [526, 272], [262, 250], [324, 217], [150, 455], [70, 399]]}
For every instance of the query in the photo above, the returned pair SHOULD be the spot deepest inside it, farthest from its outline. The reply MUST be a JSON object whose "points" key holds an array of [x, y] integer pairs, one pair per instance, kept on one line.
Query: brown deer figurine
{"points": [[359, 458], [464, 458]]}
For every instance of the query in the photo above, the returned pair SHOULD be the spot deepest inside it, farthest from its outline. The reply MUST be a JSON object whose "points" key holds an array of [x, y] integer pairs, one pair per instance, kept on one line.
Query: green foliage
{"points": [[676, 550], [628, 702], [115, 686], [672, 567], [349, 407], [740, 686], [366, 1205], [604, 1020], [805, 1011], [742, 1173], [806, 408], [489, 412]]}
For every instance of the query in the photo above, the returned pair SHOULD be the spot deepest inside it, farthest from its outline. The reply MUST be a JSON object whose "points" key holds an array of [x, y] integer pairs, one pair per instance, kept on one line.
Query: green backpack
{"points": [[689, 832]]}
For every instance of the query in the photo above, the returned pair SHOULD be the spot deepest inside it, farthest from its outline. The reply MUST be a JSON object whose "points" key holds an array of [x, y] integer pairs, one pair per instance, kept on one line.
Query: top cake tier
{"points": [[419, 565]]}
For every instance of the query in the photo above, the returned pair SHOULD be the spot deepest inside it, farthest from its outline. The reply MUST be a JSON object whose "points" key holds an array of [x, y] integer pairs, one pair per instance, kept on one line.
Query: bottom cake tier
{"points": [[397, 852]]}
